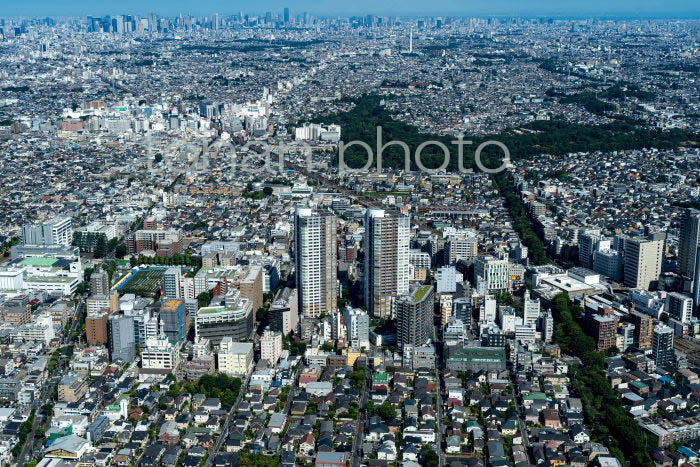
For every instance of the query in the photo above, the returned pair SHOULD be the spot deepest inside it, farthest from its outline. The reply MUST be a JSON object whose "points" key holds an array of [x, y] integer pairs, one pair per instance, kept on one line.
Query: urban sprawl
{"points": [[189, 278]]}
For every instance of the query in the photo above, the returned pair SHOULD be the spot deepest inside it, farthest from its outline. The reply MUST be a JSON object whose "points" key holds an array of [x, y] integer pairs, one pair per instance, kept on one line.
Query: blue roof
{"points": [[687, 451]]}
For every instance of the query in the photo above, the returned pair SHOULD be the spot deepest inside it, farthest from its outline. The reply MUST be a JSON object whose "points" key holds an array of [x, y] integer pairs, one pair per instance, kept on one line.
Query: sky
{"points": [[565, 8]]}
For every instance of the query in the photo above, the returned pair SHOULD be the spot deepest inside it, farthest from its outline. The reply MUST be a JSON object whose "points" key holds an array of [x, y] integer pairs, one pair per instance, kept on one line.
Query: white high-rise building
{"points": [[316, 262], [447, 278], [488, 310], [463, 247], [643, 260], [419, 259], [160, 355], [589, 242], [494, 271], [172, 279], [387, 272], [271, 346], [531, 309], [235, 358], [680, 307], [357, 325], [547, 326], [609, 263], [57, 231]]}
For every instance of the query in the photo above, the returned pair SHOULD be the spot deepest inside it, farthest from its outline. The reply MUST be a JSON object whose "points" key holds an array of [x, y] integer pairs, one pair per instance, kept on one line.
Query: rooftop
{"points": [[38, 261], [420, 293]]}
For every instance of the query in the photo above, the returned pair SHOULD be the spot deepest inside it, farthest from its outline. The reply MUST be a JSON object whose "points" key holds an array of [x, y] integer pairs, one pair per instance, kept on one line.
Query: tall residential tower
{"points": [[316, 262], [386, 245]]}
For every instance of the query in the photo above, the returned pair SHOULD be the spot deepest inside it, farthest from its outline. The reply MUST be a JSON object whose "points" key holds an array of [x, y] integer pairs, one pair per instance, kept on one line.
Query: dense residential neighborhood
{"points": [[230, 239]]}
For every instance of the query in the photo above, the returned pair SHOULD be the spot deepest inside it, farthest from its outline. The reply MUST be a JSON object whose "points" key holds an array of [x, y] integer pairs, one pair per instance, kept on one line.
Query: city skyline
{"points": [[577, 9]]}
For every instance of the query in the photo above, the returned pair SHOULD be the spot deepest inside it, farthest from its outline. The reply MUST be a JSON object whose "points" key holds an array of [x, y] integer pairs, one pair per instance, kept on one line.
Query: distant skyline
{"points": [[576, 8]]}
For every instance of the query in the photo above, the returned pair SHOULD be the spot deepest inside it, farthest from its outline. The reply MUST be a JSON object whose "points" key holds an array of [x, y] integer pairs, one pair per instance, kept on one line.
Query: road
{"points": [[27, 453], [521, 416], [360, 432], [439, 426], [224, 432]]}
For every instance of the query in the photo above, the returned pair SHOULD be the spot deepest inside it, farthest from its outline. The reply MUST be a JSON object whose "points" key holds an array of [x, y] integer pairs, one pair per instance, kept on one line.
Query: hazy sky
{"points": [[653, 8]]}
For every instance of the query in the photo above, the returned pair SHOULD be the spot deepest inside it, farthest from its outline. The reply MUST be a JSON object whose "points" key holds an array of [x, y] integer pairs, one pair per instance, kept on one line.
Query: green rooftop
{"points": [[535, 396], [38, 261], [420, 293], [207, 310], [480, 354], [380, 378]]}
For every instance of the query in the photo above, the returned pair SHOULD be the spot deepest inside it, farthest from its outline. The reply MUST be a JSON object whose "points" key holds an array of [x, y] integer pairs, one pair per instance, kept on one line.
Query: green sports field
{"points": [[144, 282]]}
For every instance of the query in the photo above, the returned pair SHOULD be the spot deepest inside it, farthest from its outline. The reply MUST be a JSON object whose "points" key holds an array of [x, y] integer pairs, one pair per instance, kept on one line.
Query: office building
{"points": [[643, 330], [145, 326], [96, 327], [235, 358], [357, 325], [662, 346], [160, 357], [96, 303], [121, 338], [462, 310], [99, 283], [414, 317], [57, 231], [547, 326], [233, 319], [461, 247], [283, 312], [680, 307], [531, 309], [447, 278], [492, 336], [316, 262], [494, 272], [386, 267], [609, 263], [689, 238], [419, 259], [643, 259], [588, 243], [696, 282], [603, 330], [488, 309], [174, 320], [172, 279]]}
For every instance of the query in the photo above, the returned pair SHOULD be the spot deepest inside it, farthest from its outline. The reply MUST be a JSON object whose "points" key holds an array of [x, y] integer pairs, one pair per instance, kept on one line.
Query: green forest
{"points": [[555, 137]]}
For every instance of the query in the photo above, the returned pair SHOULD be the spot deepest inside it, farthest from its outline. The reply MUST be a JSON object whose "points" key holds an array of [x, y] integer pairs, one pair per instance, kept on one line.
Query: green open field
{"points": [[145, 282]]}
